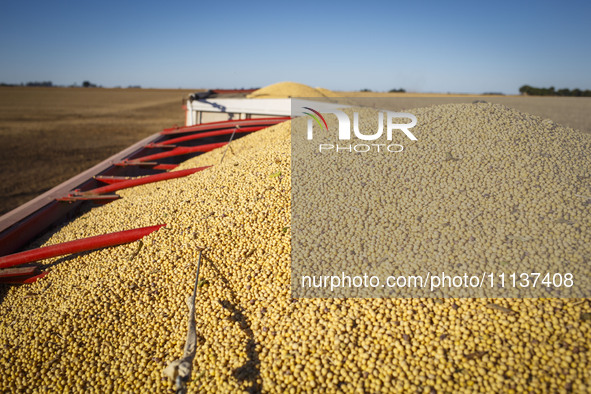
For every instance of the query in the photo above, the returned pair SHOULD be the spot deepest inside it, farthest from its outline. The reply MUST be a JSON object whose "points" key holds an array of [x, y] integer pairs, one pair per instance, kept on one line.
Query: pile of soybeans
{"points": [[112, 319], [291, 89]]}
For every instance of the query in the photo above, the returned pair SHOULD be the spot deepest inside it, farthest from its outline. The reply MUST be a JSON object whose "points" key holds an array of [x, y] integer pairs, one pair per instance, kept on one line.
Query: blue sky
{"points": [[452, 46]]}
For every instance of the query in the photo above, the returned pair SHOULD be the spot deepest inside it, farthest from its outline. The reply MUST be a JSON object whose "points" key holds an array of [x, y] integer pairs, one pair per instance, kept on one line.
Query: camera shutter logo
{"points": [[345, 124]]}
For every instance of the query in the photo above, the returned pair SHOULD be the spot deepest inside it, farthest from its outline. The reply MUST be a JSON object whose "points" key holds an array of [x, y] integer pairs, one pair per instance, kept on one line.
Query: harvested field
{"points": [[51, 134], [112, 319], [569, 111]]}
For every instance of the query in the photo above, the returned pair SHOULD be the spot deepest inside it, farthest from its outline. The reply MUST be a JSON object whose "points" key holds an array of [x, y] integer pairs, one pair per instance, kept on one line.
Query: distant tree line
{"points": [[44, 83], [389, 91], [34, 83], [531, 91], [85, 84]]}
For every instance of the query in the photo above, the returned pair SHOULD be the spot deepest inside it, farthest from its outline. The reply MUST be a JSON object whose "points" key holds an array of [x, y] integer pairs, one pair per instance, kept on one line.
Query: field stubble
{"points": [[51, 134]]}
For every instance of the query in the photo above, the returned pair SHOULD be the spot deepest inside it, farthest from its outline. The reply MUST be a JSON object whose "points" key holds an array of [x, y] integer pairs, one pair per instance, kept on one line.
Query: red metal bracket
{"points": [[216, 133], [111, 179], [225, 125], [182, 150], [100, 199], [77, 246], [155, 165], [161, 146], [140, 181]]}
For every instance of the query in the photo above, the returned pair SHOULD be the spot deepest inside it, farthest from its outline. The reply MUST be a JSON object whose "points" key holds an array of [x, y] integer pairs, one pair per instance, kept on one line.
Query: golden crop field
{"points": [[51, 134]]}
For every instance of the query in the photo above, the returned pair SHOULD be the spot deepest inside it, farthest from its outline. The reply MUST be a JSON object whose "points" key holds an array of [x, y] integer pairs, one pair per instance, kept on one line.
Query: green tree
{"points": [[525, 89]]}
